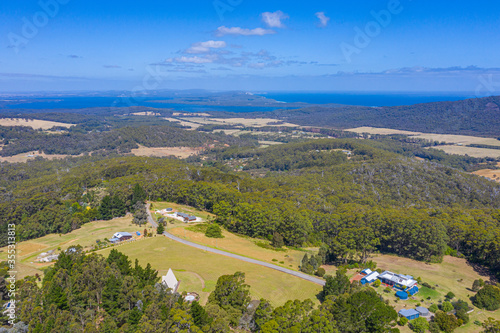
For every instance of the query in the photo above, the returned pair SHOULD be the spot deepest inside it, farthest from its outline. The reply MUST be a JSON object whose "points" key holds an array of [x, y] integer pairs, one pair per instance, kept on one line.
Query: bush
{"points": [[476, 285], [461, 305], [434, 327], [387, 290], [433, 308], [419, 325], [214, 231], [488, 298], [462, 315], [425, 284], [377, 283], [320, 272], [402, 321], [446, 306], [450, 295], [446, 322]]}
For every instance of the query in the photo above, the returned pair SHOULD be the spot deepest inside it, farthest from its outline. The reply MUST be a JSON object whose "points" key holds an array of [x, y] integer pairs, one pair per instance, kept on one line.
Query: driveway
{"points": [[301, 275]]}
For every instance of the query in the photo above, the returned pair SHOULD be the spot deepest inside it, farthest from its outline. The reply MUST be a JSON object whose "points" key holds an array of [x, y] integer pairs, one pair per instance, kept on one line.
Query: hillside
{"points": [[480, 116]]}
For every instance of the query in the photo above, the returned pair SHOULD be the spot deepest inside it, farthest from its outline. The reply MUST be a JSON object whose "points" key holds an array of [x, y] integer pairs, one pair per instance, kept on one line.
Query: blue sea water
{"points": [[367, 99], [90, 102], [372, 99]]}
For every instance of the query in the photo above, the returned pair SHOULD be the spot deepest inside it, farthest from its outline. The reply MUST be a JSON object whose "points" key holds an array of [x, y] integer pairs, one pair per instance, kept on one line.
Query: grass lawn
{"points": [[85, 236], [241, 245], [198, 270]]}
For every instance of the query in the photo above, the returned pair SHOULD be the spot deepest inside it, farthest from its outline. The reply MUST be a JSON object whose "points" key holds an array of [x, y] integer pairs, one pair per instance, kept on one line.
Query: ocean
{"points": [[371, 99], [366, 99]]}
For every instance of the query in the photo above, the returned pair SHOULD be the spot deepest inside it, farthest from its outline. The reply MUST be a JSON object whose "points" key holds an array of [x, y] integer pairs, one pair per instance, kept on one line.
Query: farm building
{"points": [[114, 240], [122, 236], [186, 217], [369, 278], [397, 280], [424, 312], [409, 314], [170, 280]]}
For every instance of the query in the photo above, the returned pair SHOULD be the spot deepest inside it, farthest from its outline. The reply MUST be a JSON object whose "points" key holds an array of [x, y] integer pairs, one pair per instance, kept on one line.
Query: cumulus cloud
{"points": [[193, 60], [273, 20], [205, 47], [237, 31], [323, 19]]}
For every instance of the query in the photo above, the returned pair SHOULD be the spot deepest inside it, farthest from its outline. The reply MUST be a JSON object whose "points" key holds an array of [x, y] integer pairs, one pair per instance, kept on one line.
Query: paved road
{"points": [[307, 277]]}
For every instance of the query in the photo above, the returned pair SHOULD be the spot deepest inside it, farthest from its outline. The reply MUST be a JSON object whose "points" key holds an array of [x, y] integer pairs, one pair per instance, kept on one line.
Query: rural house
{"points": [[409, 314], [186, 217], [398, 280], [122, 236]]}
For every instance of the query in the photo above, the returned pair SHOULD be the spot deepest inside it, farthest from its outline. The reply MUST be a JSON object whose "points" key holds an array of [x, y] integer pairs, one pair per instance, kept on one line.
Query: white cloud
{"points": [[204, 47], [222, 31], [273, 20], [323, 19], [193, 60]]}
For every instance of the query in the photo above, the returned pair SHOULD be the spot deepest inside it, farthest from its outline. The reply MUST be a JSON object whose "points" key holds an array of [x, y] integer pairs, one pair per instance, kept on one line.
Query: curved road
{"points": [[304, 276]]}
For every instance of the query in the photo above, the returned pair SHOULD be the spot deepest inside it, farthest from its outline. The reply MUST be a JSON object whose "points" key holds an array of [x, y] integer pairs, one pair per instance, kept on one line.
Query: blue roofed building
{"points": [[409, 314]]}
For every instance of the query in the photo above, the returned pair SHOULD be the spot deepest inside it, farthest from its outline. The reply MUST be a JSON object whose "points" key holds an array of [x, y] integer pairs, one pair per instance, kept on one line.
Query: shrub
{"points": [[488, 298], [462, 315], [450, 295], [214, 231], [387, 290], [377, 283], [419, 325], [433, 308], [434, 327], [425, 284], [446, 306], [476, 285], [320, 272], [402, 321], [446, 322], [461, 305]]}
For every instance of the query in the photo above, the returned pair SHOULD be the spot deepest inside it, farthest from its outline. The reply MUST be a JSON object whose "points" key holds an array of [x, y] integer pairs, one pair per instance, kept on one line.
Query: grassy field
{"points": [[457, 143], [198, 270], [471, 151], [24, 157], [244, 246], [489, 173], [180, 152], [33, 123], [258, 122], [85, 236]]}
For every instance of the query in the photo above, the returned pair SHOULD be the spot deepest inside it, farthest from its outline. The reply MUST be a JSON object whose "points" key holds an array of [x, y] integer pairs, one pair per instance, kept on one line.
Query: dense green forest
{"points": [[477, 116], [312, 194], [18, 139]]}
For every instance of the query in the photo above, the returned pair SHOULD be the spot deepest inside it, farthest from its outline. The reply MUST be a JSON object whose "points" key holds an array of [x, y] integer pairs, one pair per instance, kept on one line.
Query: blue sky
{"points": [[389, 45]]}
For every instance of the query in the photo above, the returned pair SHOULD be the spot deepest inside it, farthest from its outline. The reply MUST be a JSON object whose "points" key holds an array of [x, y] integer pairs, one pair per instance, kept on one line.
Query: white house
{"points": [[170, 280]]}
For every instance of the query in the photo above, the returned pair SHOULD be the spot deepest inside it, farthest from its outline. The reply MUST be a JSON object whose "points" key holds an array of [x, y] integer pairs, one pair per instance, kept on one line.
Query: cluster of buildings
{"points": [[48, 256], [169, 212], [411, 314], [406, 286], [405, 283]]}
